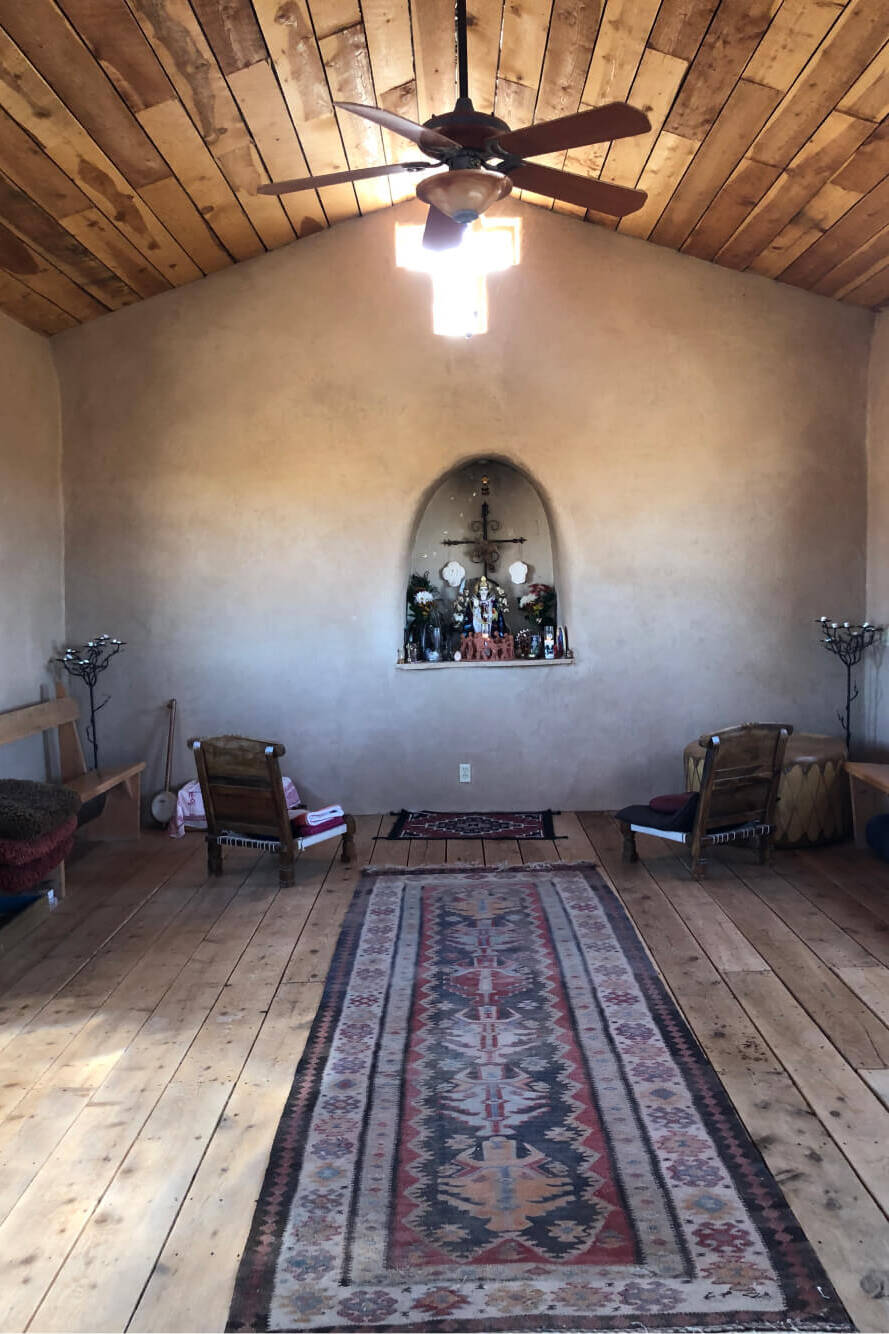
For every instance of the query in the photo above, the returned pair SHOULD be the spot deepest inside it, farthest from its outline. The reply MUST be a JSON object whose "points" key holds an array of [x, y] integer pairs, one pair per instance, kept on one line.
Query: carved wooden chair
{"points": [[739, 788], [245, 805]]}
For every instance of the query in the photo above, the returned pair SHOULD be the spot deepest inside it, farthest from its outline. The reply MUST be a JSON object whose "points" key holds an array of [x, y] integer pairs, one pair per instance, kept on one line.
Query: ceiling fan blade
{"points": [[582, 190], [429, 140], [442, 232], [337, 177], [616, 120]]}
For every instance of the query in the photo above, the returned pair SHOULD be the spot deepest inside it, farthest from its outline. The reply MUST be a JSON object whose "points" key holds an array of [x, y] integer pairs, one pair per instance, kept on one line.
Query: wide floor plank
{"points": [[572, 842], [464, 852], [122, 1239]]}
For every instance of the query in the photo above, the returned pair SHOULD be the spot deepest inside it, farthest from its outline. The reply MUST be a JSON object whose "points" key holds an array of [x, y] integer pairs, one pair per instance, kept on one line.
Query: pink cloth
{"points": [[190, 807]]}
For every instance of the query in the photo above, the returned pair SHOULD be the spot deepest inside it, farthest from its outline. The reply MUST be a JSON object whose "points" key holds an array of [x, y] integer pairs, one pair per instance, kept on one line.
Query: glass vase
{"points": [[431, 646]]}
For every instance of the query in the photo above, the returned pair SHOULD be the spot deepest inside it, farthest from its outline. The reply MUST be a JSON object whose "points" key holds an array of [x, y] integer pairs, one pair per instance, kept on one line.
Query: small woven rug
{"points": [[473, 824], [501, 1122]]}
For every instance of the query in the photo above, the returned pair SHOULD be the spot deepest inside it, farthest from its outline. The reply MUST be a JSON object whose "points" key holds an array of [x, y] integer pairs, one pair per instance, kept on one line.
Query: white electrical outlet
{"points": [[465, 773]]}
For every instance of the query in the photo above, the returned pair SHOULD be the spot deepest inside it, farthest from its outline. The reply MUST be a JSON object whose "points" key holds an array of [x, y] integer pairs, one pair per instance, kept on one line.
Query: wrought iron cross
{"points": [[485, 548]]}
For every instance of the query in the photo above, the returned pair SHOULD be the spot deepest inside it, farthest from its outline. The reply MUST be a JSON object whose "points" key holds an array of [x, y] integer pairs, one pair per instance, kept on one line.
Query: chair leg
{"points": [[698, 864], [57, 893], [285, 869], [764, 849], [630, 853], [348, 852], [214, 857]]}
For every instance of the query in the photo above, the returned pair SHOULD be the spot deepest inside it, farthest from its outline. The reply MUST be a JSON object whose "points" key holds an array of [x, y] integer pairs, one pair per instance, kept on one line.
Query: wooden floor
{"points": [[150, 1025]]}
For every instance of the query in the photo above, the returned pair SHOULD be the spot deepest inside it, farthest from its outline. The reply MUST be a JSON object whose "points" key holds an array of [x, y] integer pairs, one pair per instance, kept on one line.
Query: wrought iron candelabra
{"points": [[848, 642], [88, 662]]}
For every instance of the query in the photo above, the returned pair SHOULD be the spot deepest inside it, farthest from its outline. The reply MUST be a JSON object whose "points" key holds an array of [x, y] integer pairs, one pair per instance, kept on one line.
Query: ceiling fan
{"points": [[485, 159]]}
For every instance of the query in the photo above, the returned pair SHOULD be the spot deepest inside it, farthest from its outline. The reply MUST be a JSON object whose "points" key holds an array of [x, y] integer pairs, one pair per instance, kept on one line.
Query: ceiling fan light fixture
{"points": [[464, 194]]}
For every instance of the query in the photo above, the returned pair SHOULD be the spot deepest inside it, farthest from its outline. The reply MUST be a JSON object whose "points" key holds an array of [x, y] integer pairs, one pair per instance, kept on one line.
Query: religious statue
{"points": [[480, 608], [479, 612], [483, 608]]}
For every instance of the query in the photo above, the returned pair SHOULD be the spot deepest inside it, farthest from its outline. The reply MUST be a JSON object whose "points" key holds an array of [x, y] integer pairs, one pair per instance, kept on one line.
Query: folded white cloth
{"points": [[321, 817]]}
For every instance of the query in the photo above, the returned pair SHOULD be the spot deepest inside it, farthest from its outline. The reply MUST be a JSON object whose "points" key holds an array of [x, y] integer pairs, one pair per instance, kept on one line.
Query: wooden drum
{"points": [[813, 795]]}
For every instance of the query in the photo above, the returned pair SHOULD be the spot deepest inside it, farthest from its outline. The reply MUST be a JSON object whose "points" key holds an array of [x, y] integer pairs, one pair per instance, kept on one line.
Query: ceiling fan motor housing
{"points": [[468, 127]]}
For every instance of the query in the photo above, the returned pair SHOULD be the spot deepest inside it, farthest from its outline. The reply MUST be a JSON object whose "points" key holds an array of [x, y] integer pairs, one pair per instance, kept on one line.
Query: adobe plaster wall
{"points": [[877, 674], [31, 596], [245, 459]]}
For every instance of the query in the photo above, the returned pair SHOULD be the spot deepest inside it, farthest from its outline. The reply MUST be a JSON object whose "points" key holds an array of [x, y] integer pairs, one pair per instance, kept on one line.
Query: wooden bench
{"points": [[121, 787], [869, 785]]}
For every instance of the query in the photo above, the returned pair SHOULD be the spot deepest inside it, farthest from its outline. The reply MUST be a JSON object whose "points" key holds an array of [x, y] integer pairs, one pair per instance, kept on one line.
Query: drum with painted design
{"points": [[813, 795]]}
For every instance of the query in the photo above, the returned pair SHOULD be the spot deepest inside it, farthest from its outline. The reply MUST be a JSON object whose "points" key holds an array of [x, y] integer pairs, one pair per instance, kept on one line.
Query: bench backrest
{"points": [[16, 724], [61, 712]]}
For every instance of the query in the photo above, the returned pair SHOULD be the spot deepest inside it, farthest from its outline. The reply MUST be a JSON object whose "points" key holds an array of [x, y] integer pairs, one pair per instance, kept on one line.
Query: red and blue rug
{"points": [[502, 1122], [473, 824]]}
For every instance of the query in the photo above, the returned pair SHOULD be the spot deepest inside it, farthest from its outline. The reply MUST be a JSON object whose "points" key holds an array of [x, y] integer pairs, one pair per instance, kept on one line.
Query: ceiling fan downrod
{"points": [[462, 59]]}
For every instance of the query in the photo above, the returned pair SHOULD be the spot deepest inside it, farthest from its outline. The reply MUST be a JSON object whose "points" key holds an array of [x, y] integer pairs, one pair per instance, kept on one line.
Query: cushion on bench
{"points": [[19, 879], [29, 810], [21, 851]]}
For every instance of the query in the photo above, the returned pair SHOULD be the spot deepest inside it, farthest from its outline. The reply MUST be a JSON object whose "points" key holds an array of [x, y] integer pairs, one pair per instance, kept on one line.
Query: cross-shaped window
{"points": [[459, 289]]}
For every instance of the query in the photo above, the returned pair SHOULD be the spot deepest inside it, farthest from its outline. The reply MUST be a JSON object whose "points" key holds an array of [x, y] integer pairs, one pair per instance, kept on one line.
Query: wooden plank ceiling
{"points": [[133, 133]]}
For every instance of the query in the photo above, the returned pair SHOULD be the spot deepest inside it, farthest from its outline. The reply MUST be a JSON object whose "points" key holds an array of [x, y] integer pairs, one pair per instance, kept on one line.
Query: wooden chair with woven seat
{"points": [[739, 788], [245, 806]]}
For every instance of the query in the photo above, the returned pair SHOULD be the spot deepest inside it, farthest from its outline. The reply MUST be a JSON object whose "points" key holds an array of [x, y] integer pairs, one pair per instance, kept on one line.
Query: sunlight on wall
{"points": [[459, 289]]}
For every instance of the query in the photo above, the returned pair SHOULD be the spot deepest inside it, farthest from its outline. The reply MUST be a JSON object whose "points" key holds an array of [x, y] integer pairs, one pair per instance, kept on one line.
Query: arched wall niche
{"points": [[517, 502]]}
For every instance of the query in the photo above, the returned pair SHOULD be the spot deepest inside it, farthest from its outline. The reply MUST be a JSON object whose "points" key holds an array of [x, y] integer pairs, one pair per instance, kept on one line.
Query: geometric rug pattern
{"points": [[473, 824], [502, 1122]]}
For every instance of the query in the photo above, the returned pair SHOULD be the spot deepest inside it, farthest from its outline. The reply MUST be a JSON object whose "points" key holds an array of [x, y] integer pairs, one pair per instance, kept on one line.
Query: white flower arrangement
{"points": [[424, 597], [539, 602]]}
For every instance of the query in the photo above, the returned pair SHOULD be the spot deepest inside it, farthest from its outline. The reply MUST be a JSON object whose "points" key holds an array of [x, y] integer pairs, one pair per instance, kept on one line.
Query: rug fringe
{"points": [[464, 867]]}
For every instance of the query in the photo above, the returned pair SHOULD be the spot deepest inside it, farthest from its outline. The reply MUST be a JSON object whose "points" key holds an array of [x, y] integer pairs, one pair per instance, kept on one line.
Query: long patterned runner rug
{"points": [[502, 1122]]}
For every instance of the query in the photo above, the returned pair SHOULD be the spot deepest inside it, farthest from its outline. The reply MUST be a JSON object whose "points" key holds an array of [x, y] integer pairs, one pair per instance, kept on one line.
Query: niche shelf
{"points": [[463, 666]]}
